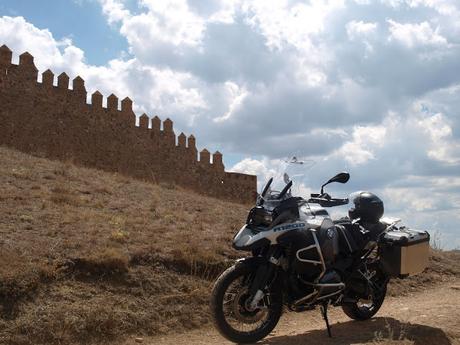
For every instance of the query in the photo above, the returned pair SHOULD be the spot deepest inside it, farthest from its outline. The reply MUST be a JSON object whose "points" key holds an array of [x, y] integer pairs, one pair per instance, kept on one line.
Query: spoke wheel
{"points": [[231, 307]]}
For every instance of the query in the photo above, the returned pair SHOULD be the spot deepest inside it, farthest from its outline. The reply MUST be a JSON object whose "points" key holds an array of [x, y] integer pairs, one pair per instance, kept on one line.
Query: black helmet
{"points": [[367, 206]]}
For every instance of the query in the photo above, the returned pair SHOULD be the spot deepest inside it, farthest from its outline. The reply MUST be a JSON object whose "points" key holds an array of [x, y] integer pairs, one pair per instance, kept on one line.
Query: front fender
{"points": [[247, 240]]}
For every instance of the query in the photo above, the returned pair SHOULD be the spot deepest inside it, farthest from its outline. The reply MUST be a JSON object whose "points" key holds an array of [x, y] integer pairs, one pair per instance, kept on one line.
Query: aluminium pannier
{"points": [[404, 252]]}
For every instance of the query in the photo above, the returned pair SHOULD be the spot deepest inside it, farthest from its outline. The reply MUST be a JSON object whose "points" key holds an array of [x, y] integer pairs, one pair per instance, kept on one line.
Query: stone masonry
{"points": [[56, 122]]}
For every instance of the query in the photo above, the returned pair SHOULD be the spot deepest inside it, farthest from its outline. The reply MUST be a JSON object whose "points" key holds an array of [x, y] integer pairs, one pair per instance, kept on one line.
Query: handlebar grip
{"points": [[338, 202], [329, 203]]}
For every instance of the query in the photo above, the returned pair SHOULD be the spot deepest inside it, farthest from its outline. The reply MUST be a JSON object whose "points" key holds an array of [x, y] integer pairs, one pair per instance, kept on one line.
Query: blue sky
{"points": [[372, 87], [82, 21]]}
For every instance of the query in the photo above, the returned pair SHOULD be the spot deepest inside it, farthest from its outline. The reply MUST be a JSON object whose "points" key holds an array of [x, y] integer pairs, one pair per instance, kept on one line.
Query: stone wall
{"points": [[56, 122]]}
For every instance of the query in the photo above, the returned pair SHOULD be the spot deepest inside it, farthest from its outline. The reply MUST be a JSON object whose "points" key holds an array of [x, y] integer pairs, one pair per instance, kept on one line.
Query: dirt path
{"points": [[431, 317]]}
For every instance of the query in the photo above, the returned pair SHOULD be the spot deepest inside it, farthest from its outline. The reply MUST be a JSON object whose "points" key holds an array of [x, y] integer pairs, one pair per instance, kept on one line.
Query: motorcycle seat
{"points": [[375, 229]]}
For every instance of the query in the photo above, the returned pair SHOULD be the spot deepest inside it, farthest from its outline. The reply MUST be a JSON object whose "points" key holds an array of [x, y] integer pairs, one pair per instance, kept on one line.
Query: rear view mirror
{"points": [[286, 178], [342, 177]]}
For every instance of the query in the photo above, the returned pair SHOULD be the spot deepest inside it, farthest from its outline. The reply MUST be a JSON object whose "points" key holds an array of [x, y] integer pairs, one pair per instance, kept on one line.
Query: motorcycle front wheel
{"points": [[232, 315]]}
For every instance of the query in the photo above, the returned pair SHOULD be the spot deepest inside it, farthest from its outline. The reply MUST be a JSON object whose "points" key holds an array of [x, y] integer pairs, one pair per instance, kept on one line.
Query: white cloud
{"points": [[22, 36], [114, 10], [445, 7], [237, 94], [359, 29], [412, 35], [443, 146], [283, 23], [393, 3], [253, 166], [168, 20], [264, 169], [360, 149]]}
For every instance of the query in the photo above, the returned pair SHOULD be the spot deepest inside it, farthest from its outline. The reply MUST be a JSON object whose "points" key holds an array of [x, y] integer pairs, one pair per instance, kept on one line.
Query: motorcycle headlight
{"points": [[259, 216]]}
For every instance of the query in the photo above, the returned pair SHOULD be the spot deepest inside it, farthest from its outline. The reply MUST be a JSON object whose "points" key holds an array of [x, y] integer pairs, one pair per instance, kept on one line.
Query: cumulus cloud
{"points": [[265, 168], [413, 34], [238, 95], [22, 36], [359, 150], [357, 29], [114, 10], [439, 133]]}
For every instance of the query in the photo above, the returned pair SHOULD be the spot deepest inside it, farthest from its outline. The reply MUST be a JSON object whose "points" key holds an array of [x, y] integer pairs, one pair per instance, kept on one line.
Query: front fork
{"points": [[265, 275]]}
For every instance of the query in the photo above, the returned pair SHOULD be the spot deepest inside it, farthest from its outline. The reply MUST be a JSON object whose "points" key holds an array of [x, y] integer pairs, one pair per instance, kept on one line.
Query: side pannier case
{"points": [[404, 252]]}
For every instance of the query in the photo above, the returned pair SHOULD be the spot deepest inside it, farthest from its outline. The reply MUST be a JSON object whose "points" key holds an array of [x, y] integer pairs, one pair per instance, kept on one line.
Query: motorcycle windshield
{"points": [[296, 170], [291, 169]]}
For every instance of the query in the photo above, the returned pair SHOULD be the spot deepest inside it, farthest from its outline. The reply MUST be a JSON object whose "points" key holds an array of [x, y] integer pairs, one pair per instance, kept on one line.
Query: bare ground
{"points": [[430, 317]]}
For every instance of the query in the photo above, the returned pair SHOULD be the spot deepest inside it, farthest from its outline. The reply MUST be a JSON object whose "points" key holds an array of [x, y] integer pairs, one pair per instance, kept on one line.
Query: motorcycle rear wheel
{"points": [[365, 309], [229, 307]]}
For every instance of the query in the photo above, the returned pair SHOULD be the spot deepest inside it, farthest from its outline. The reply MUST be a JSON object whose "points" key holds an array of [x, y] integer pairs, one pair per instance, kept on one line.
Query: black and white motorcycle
{"points": [[301, 258]]}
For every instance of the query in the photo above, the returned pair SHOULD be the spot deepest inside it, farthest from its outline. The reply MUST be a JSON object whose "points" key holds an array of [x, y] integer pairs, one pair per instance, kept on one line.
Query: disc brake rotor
{"points": [[241, 309]]}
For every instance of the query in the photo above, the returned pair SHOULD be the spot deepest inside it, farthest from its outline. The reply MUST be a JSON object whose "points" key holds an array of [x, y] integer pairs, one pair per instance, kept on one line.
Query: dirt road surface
{"points": [[431, 317]]}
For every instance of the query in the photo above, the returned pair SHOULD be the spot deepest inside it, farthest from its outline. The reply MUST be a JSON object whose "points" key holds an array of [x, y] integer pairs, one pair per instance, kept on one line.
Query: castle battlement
{"points": [[52, 118]]}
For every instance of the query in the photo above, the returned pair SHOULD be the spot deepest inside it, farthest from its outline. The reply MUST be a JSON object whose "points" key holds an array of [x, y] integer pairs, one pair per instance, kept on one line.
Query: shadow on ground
{"points": [[363, 332]]}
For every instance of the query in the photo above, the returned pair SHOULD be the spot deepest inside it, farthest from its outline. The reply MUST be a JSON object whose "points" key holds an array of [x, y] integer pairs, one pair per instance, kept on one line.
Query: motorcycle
{"points": [[302, 259]]}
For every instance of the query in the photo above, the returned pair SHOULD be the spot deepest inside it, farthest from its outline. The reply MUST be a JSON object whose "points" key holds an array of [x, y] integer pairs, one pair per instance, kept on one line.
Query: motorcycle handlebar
{"points": [[328, 202]]}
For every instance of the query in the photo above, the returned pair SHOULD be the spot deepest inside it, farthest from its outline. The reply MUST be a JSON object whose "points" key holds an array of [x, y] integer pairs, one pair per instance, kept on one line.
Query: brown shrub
{"points": [[19, 280], [62, 195], [119, 236]]}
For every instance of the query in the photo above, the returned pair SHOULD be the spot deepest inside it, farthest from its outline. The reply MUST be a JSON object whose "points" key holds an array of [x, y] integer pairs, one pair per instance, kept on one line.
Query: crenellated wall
{"points": [[56, 122]]}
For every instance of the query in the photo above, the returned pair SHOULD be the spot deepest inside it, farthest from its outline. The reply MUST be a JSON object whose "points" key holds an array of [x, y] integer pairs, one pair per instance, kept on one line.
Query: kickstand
{"points": [[324, 313]]}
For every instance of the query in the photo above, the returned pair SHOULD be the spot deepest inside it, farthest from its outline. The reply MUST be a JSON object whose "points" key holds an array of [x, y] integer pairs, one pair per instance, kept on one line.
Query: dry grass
{"points": [[392, 334], [57, 210], [19, 280], [87, 256]]}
